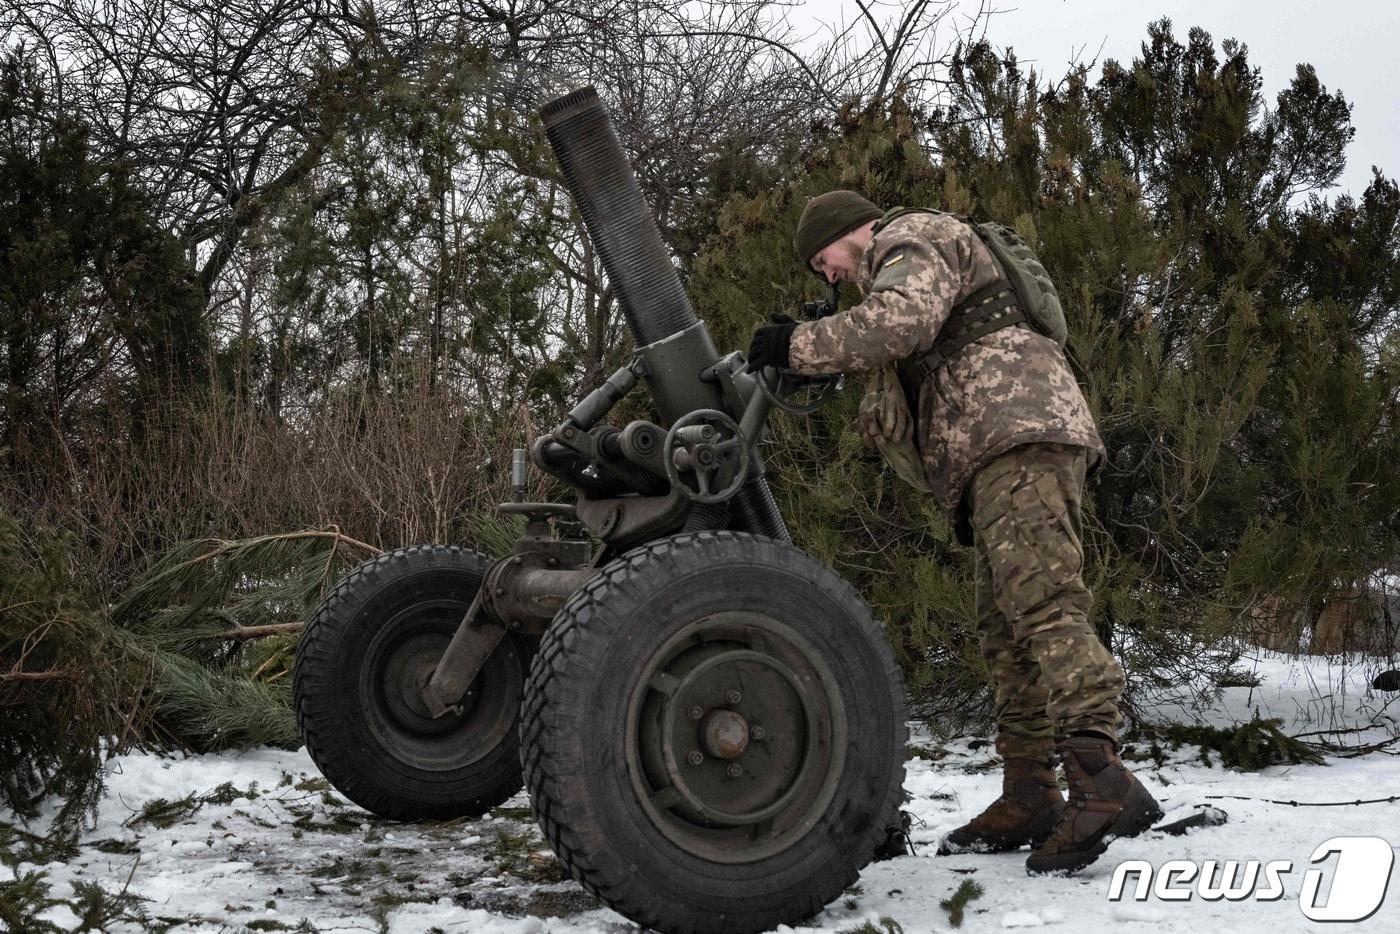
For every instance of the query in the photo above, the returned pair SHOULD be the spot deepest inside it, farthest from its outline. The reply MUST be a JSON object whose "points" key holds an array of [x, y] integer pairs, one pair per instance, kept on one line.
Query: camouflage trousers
{"points": [[1052, 674]]}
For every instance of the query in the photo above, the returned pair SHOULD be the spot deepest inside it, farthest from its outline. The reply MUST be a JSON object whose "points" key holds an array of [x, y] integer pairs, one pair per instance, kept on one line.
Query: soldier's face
{"points": [[839, 260]]}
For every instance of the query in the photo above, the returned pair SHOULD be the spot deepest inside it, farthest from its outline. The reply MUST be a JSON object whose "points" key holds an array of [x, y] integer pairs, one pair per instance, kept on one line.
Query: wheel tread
{"points": [[561, 641], [317, 719]]}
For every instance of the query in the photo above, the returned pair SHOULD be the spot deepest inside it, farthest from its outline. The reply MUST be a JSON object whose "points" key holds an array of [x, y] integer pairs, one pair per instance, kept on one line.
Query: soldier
{"points": [[1003, 437]]}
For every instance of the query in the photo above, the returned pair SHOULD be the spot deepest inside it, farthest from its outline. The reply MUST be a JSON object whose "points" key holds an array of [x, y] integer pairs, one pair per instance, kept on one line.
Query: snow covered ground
{"points": [[259, 842]]}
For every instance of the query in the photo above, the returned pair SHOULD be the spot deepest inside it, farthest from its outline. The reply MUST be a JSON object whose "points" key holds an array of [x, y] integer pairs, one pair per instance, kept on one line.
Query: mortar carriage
{"points": [[709, 721]]}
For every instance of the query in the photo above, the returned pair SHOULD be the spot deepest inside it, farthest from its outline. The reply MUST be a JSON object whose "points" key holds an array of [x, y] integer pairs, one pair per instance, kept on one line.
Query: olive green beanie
{"points": [[828, 217]]}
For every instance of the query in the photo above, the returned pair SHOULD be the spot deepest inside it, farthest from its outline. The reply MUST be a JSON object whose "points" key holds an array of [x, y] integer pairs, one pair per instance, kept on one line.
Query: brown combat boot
{"points": [[1026, 812], [1105, 801]]}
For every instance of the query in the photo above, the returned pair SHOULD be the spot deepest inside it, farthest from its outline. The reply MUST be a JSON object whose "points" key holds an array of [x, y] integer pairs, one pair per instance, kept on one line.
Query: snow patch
{"points": [[1021, 919], [277, 844]]}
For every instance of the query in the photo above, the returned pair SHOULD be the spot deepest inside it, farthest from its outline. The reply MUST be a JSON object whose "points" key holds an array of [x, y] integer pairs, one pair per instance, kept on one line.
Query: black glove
{"points": [[770, 344]]}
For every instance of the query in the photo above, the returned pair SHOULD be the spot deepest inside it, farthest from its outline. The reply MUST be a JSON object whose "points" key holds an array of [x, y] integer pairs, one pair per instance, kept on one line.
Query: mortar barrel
{"points": [[623, 231], [619, 223]]}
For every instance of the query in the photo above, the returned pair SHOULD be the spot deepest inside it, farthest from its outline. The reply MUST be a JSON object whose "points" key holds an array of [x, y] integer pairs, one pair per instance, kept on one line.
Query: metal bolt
{"points": [[695, 712], [733, 771], [695, 757], [734, 697], [757, 732], [567, 432]]}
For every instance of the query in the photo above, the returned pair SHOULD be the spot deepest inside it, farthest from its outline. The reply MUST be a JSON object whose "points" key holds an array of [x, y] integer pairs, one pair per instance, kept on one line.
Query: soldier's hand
{"points": [[770, 344]]}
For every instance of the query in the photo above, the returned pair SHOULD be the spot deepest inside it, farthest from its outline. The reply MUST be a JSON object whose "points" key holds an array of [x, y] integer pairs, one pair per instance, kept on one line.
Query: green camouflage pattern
{"points": [[885, 423], [1009, 388], [1051, 673]]}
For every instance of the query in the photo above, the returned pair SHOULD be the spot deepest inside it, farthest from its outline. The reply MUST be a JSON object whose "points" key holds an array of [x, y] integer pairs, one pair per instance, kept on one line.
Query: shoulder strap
{"points": [[990, 308], [900, 211]]}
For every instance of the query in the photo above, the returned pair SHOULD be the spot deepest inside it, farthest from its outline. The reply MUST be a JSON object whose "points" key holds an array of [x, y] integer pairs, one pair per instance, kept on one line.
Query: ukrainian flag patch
{"points": [[892, 272]]}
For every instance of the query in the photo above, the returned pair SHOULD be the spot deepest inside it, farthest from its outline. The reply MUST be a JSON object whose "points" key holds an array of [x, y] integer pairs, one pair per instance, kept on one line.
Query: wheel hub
{"points": [[401, 678], [400, 659], [738, 737], [703, 760], [724, 734]]}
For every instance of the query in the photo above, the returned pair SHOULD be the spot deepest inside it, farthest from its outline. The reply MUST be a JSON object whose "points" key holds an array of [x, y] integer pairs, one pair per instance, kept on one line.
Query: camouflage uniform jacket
{"points": [[1009, 388]]}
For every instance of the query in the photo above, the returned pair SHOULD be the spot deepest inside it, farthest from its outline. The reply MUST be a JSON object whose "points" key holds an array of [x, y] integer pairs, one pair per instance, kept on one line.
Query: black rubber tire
{"points": [[581, 702], [398, 608]]}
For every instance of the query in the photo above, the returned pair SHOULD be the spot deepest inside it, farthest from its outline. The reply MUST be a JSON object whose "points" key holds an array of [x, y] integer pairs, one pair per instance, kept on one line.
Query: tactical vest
{"points": [[1022, 295]]}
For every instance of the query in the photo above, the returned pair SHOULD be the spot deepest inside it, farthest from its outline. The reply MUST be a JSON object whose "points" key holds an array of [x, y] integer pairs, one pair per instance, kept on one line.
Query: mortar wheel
{"points": [[355, 686], [714, 734]]}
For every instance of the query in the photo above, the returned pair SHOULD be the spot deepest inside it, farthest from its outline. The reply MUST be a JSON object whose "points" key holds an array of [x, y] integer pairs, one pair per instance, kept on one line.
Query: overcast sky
{"points": [[1353, 44]]}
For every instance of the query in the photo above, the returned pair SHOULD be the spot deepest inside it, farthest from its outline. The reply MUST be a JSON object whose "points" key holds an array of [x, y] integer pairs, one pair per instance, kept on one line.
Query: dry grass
{"points": [[392, 470]]}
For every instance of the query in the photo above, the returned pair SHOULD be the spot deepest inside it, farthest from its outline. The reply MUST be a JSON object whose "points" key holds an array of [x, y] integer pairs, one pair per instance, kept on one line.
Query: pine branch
{"points": [[244, 633], [58, 674], [289, 570], [225, 547], [957, 902]]}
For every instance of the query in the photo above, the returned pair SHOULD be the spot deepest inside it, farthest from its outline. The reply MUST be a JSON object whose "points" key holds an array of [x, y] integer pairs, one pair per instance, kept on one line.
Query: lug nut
{"points": [[695, 712], [734, 697], [733, 771], [695, 757], [757, 732]]}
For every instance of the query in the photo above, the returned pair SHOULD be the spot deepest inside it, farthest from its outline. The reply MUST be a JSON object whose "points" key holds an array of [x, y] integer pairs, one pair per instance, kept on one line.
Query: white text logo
{"points": [[1357, 879]]}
